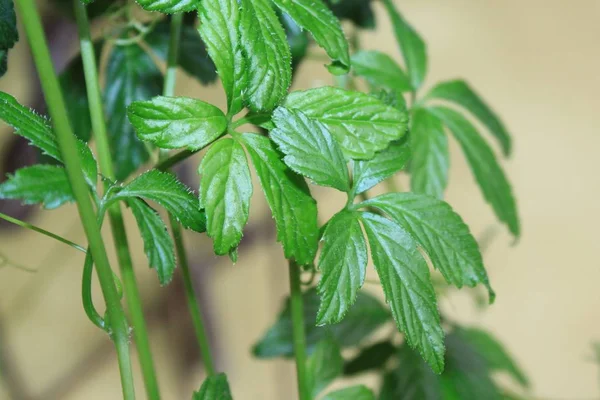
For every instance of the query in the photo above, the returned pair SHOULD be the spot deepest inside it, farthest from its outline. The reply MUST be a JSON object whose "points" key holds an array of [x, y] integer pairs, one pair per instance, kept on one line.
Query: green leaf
{"points": [[225, 191], [315, 17], [297, 39], [493, 352], [380, 70], [359, 12], [407, 286], [193, 57], [361, 123], [466, 375], [323, 366], [413, 379], [459, 92], [72, 82], [442, 233], [168, 6], [364, 317], [164, 189], [267, 53], [38, 131], [158, 244], [310, 149], [131, 75], [357, 392], [215, 387], [372, 357], [430, 159], [343, 263], [485, 167], [176, 122], [293, 208], [219, 23], [46, 184], [385, 164], [413, 47], [9, 35]]}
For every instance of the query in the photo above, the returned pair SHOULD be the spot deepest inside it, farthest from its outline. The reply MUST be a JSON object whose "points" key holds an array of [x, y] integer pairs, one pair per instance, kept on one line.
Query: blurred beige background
{"points": [[536, 61]]}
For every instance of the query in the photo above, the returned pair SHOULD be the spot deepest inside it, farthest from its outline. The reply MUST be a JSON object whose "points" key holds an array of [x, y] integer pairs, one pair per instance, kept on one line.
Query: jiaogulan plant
{"points": [[335, 136]]}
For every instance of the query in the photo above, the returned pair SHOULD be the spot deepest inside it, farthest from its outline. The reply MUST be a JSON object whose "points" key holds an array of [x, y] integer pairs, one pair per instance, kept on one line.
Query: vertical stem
{"points": [[68, 147], [297, 308], [114, 212], [190, 294]]}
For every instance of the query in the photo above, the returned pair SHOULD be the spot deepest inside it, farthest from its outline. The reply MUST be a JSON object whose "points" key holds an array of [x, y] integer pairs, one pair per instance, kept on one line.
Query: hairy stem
{"points": [[190, 294], [297, 308], [117, 224], [68, 147]]}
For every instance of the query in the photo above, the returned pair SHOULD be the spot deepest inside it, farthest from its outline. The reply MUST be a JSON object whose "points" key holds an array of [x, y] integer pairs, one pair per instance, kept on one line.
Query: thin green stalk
{"points": [[167, 162], [190, 294], [297, 308], [68, 147], [117, 224], [34, 228]]}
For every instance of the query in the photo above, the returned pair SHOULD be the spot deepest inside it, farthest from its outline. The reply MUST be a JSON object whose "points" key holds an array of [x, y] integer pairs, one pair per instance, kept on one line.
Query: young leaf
{"points": [[168, 6], [131, 75], [267, 53], [492, 351], [485, 167], [357, 392], [158, 244], [309, 149], [293, 208], [430, 159], [413, 47], [46, 184], [315, 17], [38, 131], [219, 22], [459, 92], [364, 317], [343, 263], [225, 191], [385, 164], [9, 35], [413, 379], [467, 375], [215, 387], [193, 57], [407, 286], [380, 70], [361, 123], [442, 233], [164, 189], [176, 122], [373, 357], [323, 366]]}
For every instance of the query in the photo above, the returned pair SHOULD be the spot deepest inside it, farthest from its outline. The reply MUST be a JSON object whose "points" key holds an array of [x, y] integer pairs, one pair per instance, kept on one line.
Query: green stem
{"points": [[190, 294], [34, 228], [68, 147], [117, 224], [297, 308]]}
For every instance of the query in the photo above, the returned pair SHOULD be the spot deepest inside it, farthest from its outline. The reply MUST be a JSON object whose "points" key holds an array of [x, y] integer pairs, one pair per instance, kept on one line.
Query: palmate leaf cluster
{"points": [[343, 139]]}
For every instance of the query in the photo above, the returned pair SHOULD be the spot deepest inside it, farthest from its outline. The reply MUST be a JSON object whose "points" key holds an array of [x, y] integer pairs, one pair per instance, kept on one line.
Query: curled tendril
{"points": [[122, 23], [311, 277], [86, 294]]}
